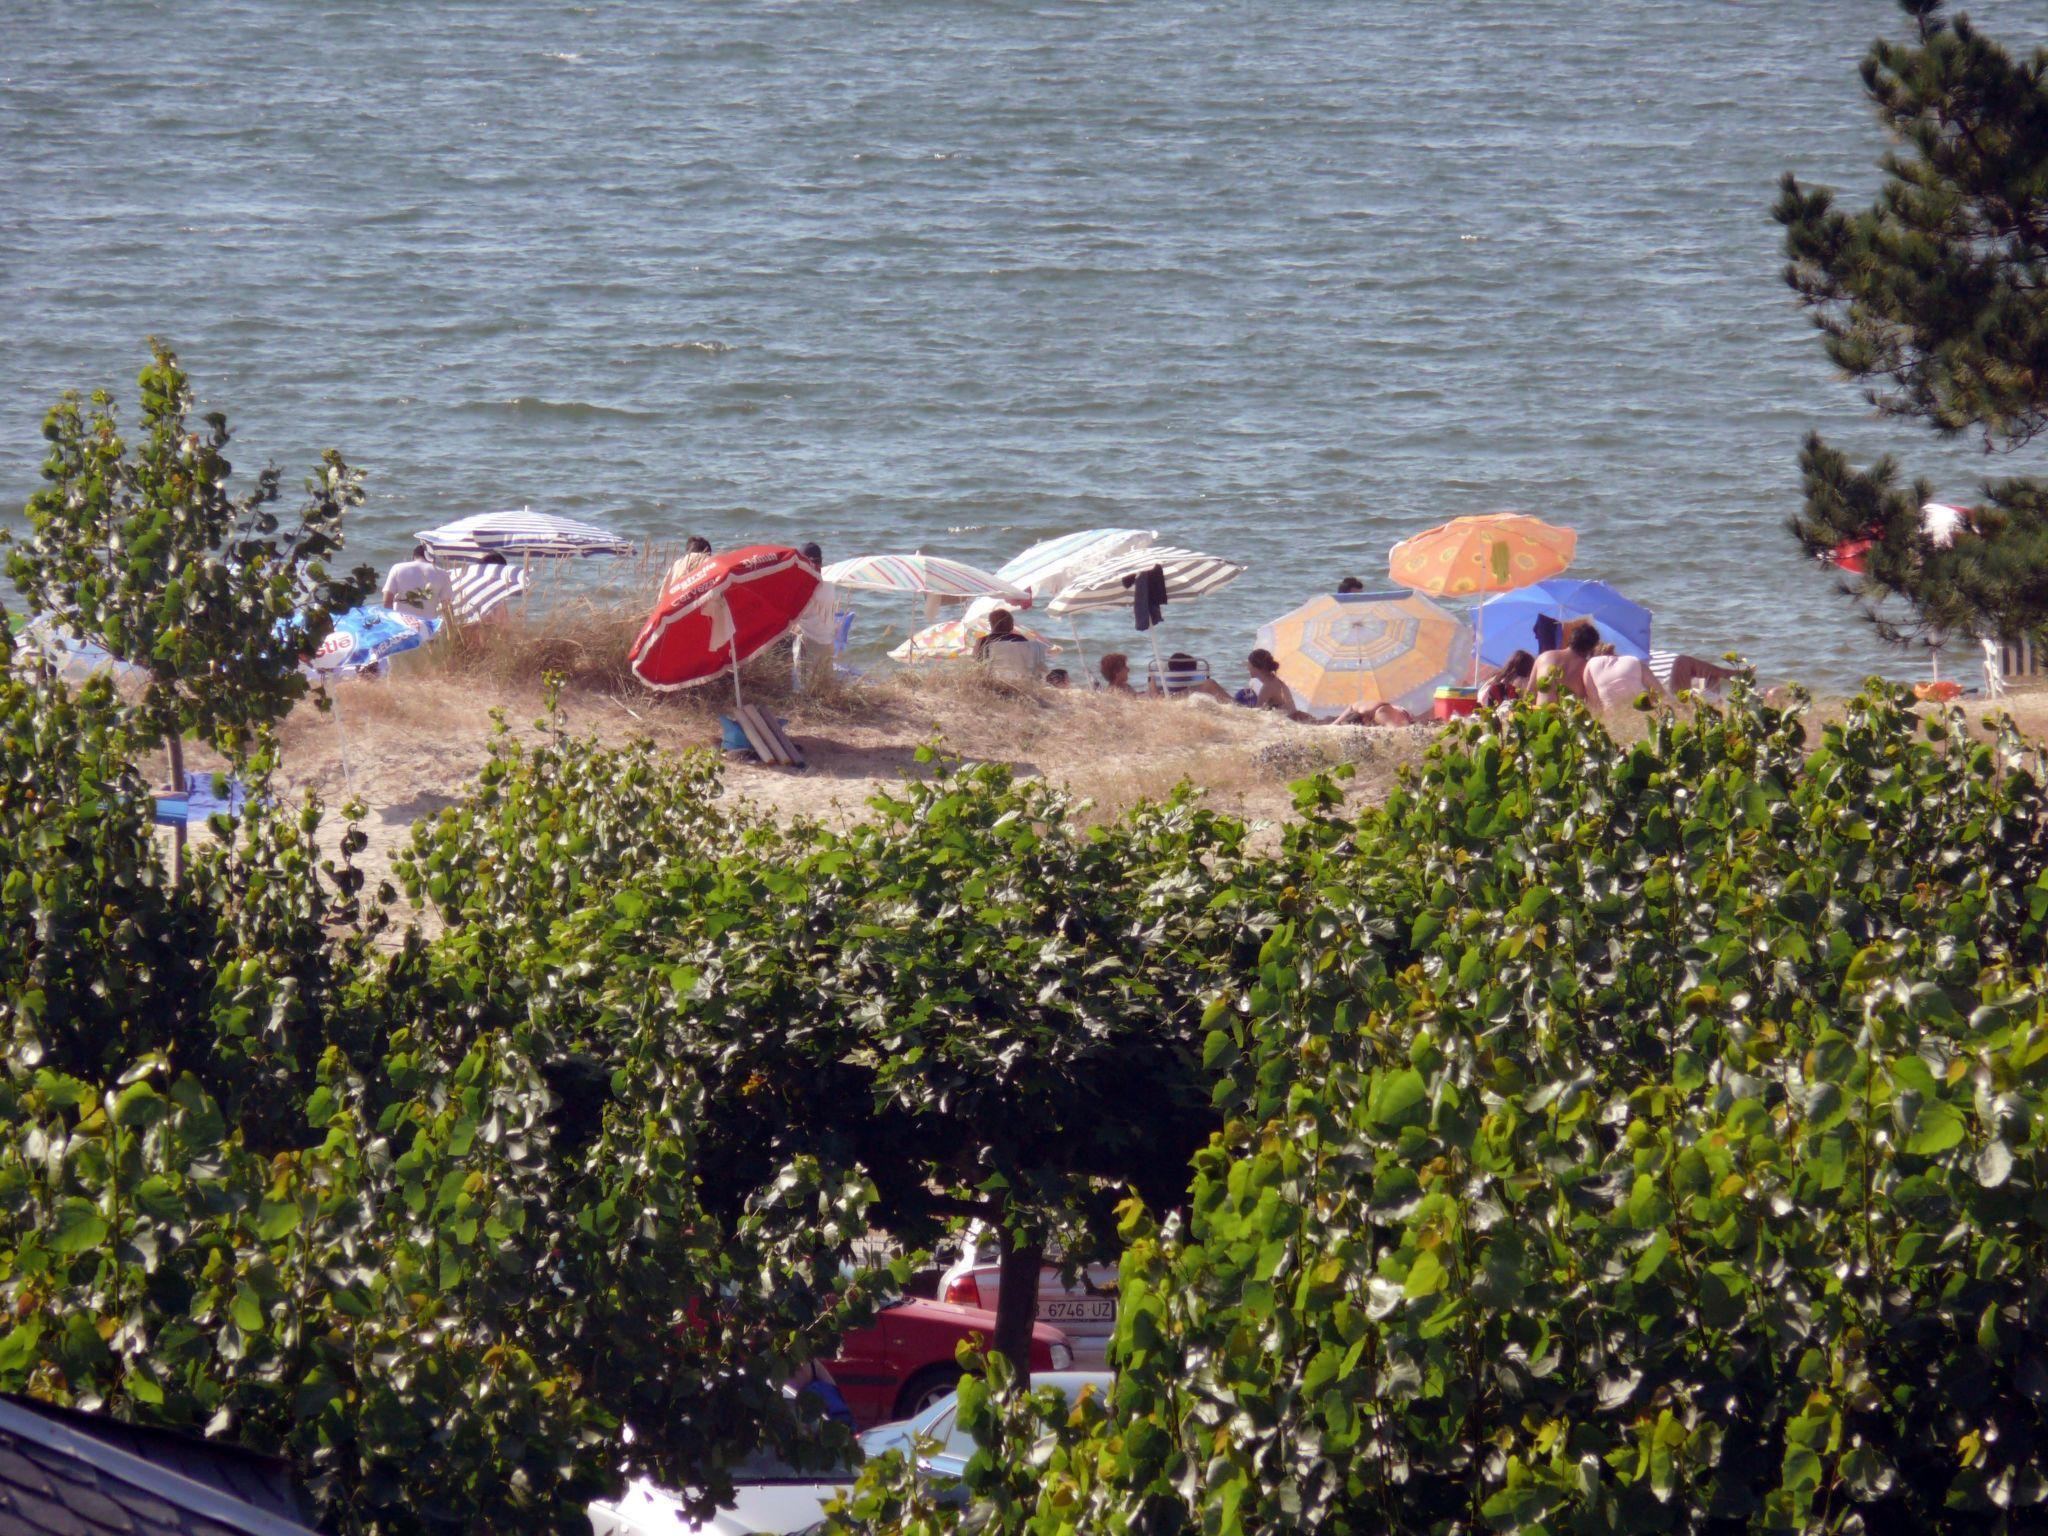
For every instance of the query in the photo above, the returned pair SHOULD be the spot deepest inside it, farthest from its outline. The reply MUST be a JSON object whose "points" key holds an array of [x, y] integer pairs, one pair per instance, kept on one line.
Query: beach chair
{"points": [[1174, 681], [1994, 670], [766, 737], [1020, 661]]}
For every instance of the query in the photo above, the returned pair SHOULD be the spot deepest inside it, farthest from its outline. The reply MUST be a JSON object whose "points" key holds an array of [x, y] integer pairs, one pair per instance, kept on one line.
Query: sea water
{"points": [[1285, 281]]}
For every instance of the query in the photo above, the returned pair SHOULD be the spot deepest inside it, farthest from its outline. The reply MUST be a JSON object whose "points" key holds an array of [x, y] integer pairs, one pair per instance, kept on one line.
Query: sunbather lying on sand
{"points": [[1375, 714]]}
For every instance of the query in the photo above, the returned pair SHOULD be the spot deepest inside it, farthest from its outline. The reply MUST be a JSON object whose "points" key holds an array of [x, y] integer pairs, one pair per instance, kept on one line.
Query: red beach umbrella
{"points": [[1849, 555], [721, 613]]}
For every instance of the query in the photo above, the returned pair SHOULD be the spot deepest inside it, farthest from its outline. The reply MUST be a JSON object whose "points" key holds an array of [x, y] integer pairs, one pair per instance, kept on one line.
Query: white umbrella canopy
{"points": [[1189, 574], [1048, 567], [522, 535], [922, 575], [1940, 523]]}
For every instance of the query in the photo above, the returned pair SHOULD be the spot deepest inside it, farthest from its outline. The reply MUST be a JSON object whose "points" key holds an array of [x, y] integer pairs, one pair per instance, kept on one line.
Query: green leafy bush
{"points": [[987, 1007], [1625, 1137], [268, 1176]]}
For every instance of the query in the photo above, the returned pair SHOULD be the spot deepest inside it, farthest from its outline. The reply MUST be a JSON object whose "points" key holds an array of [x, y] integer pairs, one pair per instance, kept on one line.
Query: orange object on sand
{"points": [[1937, 692]]}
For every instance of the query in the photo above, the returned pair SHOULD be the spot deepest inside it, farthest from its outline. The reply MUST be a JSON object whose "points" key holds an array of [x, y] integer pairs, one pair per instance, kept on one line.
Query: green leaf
{"points": [[77, 1226], [246, 1310], [1425, 1276], [1938, 1127], [18, 1349], [276, 1219]]}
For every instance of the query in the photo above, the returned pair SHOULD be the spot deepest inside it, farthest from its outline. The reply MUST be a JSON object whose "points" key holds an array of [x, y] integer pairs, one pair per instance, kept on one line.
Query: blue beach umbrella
{"points": [[364, 636], [1507, 623]]}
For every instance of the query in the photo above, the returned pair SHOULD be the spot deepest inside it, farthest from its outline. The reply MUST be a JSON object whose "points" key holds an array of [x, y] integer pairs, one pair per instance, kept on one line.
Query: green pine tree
{"points": [[1935, 299]]}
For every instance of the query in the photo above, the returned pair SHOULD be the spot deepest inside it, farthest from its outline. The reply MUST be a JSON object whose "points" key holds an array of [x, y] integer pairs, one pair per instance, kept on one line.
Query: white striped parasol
{"points": [[522, 535], [1189, 573], [477, 591], [1049, 566]]}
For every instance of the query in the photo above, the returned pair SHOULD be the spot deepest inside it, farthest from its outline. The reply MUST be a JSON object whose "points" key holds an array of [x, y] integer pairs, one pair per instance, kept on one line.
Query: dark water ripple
{"points": [[1285, 280]]}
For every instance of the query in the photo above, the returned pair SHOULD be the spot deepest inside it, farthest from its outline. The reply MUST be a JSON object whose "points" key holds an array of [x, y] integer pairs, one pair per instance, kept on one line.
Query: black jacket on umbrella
{"points": [[1148, 595]]}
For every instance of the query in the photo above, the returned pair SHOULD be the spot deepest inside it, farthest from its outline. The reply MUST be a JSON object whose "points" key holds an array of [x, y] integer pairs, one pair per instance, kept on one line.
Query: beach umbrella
{"points": [[1470, 555], [952, 639], [1940, 523], [1189, 574], [1359, 649], [76, 659], [924, 575], [522, 535], [1467, 556], [1507, 623], [477, 591], [728, 609], [364, 637], [1849, 555], [1047, 567]]}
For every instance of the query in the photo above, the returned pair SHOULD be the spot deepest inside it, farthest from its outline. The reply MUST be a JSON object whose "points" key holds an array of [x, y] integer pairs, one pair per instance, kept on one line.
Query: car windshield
{"points": [[819, 1466]]}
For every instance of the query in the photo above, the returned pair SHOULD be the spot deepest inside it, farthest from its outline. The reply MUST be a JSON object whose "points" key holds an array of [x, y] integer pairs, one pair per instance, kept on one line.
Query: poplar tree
{"points": [[136, 543], [1935, 299]]}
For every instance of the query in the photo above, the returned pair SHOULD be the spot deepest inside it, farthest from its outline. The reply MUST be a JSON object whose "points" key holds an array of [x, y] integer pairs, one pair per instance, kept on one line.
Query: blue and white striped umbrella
{"points": [[1049, 566], [477, 591], [521, 535]]}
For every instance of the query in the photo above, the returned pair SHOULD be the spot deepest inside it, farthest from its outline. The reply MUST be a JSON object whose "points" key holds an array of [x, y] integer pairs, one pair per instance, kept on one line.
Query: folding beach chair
{"points": [[1174, 681]]}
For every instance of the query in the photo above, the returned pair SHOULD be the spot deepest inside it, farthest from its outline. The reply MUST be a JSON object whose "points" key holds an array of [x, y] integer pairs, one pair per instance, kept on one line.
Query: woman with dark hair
{"points": [[1509, 683], [1002, 629], [1273, 694], [1116, 672]]}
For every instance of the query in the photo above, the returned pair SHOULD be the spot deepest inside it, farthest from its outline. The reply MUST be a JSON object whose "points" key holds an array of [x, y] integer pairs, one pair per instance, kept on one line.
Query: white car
{"points": [[946, 1446], [769, 1496], [1084, 1311]]}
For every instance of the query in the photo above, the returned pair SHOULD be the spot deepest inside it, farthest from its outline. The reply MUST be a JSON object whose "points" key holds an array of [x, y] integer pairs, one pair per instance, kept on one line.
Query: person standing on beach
{"points": [[813, 629], [419, 587], [1567, 665]]}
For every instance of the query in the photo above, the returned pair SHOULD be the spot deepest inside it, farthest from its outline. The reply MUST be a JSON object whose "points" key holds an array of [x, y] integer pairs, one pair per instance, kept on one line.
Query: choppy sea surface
{"points": [[1286, 281]]}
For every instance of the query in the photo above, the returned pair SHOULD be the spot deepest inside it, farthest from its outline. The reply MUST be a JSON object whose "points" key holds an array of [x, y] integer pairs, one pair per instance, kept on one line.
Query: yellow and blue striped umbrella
{"points": [[1367, 648]]}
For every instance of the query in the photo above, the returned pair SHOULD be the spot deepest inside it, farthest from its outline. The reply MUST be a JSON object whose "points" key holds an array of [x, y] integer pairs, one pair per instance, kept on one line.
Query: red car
{"points": [[903, 1360]]}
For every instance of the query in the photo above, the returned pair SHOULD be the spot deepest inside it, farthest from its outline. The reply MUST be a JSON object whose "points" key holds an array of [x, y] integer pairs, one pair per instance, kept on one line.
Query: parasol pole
{"points": [[1079, 649], [733, 649]]}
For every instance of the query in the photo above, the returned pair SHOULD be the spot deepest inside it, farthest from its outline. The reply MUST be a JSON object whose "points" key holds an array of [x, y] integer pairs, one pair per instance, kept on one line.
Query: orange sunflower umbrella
{"points": [[1472, 555]]}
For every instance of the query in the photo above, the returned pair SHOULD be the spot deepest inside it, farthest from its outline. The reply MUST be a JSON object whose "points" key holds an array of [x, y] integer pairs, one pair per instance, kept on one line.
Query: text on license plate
{"points": [[1089, 1309]]}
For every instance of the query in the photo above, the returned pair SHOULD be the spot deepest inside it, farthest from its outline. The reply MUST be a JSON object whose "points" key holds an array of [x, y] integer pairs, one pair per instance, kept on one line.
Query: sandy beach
{"points": [[407, 745]]}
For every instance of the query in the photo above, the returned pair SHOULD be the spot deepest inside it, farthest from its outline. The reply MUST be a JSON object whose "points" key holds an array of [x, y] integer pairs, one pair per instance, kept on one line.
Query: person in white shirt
{"points": [[1616, 682], [814, 626], [418, 587]]}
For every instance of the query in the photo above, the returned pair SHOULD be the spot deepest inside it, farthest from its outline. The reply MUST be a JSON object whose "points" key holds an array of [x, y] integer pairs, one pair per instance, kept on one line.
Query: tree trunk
{"points": [[1017, 1303], [178, 827]]}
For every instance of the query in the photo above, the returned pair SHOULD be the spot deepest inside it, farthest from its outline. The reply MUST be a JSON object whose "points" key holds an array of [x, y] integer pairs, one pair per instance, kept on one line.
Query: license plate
{"points": [[1089, 1309]]}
